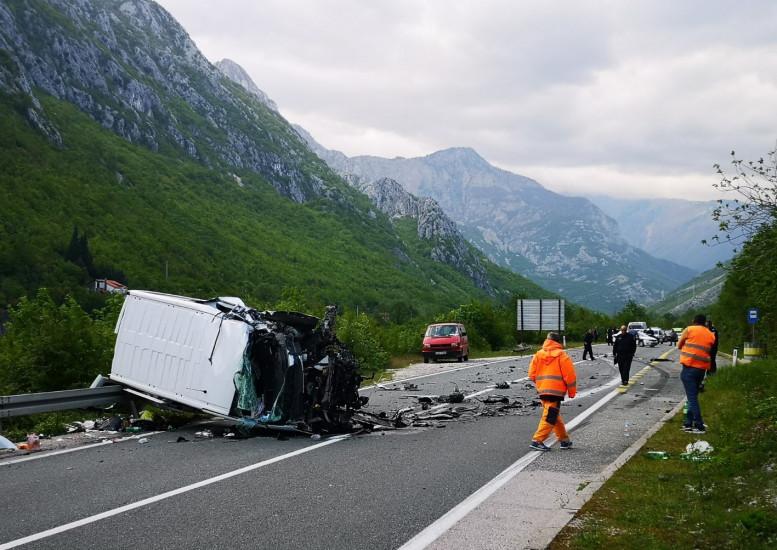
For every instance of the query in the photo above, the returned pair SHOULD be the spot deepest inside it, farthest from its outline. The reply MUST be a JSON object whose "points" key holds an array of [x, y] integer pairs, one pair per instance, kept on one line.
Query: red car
{"points": [[445, 341]]}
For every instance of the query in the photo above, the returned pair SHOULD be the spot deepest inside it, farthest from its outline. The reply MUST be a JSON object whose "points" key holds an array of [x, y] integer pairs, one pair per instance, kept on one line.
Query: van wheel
{"points": [[461, 358], [426, 358], [466, 357]]}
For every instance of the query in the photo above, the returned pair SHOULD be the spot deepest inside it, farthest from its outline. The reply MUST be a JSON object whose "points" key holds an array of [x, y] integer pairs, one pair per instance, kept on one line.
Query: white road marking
{"points": [[453, 516], [46, 454], [163, 496]]}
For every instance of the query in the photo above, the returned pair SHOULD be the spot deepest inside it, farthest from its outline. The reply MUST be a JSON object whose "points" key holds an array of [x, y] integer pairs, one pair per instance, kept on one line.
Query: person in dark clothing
{"points": [[610, 333], [587, 341], [623, 349], [714, 351]]}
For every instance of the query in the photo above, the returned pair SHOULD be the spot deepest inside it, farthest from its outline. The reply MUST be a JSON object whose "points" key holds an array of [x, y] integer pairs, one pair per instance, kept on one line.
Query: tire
{"points": [[466, 358], [426, 358], [461, 358]]}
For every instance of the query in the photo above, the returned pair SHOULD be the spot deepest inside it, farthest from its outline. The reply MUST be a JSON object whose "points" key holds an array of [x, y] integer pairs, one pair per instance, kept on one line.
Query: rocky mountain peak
{"points": [[238, 74], [132, 68], [449, 246]]}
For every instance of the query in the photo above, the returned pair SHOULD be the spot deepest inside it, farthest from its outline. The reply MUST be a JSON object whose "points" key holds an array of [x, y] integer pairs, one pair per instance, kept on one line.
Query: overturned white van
{"points": [[282, 370]]}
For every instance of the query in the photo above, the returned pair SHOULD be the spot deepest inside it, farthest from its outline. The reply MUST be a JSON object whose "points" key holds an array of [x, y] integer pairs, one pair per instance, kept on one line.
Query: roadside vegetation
{"points": [[728, 501]]}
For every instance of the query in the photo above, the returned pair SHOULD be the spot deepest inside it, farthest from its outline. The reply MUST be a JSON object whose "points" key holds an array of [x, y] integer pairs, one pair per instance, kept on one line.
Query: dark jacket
{"points": [[624, 345], [588, 338]]}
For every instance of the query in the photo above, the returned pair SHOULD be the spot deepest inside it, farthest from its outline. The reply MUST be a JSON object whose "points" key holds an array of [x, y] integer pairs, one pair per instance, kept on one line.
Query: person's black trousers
{"points": [[624, 366], [588, 349]]}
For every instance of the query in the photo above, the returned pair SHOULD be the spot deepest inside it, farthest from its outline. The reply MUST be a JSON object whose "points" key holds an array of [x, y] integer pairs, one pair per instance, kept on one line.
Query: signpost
{"points": [[752, 318], [540, 314]]}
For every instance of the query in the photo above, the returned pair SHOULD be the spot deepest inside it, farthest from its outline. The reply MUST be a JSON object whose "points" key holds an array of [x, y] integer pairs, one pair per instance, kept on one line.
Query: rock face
{"points": [[131, 67], [566, 244], [237, 74], [448, 245]]}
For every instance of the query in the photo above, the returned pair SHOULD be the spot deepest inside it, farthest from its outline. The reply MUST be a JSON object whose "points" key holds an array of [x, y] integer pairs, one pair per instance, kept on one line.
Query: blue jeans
{"points": [[692, 379]]}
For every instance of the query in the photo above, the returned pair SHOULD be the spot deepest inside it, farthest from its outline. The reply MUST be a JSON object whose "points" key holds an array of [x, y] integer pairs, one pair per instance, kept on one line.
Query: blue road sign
{"points": [[752, 315]]}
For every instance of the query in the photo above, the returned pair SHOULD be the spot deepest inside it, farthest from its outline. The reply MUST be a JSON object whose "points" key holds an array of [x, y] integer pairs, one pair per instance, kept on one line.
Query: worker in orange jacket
{"points": [[695, 345], [553, 374]]}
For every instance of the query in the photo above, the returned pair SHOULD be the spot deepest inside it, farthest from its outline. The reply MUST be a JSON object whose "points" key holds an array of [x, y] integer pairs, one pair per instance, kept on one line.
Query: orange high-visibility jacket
{"points": [[552, 371], [695, 346]]}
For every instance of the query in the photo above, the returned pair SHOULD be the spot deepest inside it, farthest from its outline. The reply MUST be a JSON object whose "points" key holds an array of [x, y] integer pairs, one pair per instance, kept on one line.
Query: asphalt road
{"points": [[368, 491]]}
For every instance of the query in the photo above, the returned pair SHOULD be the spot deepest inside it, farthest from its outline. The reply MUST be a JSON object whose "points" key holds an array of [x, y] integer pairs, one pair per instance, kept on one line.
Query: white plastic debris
{"points": [[143, 440], [6, 445], [699, 448]]}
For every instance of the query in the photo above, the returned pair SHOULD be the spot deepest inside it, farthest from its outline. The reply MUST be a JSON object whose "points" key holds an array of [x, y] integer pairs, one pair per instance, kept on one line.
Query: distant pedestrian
{"points": [[610, 333], [553, 373], [714, 350], [623, 349], [596, 334], [695, 345], [587, 340]]}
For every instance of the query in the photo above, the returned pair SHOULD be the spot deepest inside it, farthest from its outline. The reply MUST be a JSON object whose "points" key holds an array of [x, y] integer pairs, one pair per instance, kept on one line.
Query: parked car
{"points": [[445, 341], [656, 333], [645, 339]]}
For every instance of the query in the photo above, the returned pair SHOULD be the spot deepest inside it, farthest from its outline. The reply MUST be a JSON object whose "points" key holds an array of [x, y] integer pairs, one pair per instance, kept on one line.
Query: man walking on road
{"points": [[623, 349], [587, 340], [695, 345], [553, 373]]}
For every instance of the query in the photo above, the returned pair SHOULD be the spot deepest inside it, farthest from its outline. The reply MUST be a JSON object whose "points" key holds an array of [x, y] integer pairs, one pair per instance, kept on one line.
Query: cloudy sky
{"points": [[621, 98]]}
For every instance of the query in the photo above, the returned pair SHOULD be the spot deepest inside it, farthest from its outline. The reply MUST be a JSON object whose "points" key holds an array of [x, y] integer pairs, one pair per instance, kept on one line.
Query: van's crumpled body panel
{"points": [[266, 368]]}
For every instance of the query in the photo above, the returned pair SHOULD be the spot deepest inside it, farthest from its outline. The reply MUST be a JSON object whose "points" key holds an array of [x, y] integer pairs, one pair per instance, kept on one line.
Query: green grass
{"points": [[729, 501]]}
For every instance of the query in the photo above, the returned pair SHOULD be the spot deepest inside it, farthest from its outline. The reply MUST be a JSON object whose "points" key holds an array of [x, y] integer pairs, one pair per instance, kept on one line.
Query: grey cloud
{"points": [[652, 87]]}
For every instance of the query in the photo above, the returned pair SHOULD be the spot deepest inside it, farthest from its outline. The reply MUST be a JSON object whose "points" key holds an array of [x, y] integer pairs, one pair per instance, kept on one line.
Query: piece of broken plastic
{"points": [[700, 447], [6, 445]]}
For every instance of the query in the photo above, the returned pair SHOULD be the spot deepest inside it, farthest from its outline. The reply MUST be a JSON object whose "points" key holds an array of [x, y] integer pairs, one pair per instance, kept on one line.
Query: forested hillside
{"points": [[168, 223]]}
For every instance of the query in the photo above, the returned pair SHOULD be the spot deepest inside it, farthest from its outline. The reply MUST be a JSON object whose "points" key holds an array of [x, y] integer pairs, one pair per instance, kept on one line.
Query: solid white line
{"points": [[163, 496], [45, 454], [457, 513], [472, 366]]}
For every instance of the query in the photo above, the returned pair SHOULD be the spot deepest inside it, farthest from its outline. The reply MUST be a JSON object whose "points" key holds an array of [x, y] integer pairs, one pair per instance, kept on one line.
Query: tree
{"points": [[755, 208]]}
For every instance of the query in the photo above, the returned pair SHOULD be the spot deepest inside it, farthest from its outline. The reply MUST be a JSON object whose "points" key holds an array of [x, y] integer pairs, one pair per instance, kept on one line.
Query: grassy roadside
{"points": [[729, 501]]}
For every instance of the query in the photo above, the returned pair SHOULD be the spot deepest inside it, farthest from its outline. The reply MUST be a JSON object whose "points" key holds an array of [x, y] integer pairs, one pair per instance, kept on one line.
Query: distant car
{"points": [[656, 333], [645, 339], [670, 336], [445, 341], [637, 325]]}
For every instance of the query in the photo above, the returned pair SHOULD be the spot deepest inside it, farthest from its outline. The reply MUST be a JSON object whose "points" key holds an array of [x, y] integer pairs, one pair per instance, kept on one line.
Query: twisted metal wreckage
{"points": [[281, 370]]}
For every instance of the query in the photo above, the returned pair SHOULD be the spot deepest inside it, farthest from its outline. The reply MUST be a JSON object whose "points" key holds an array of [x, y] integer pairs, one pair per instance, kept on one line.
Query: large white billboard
{"points": [[541, 314]]}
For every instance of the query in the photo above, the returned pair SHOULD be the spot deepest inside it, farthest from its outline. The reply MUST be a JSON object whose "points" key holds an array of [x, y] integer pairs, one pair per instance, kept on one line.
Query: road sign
{"points": [[752, 315], [541, 315]]}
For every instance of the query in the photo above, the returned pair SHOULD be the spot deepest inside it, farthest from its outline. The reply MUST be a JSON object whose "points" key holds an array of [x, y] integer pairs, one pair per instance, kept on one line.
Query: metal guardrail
{"points": [[33, 403]]}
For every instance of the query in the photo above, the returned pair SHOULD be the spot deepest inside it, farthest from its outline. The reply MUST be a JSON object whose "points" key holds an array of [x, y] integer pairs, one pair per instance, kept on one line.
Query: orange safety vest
{"points": [[552, 371], [697, 347]]}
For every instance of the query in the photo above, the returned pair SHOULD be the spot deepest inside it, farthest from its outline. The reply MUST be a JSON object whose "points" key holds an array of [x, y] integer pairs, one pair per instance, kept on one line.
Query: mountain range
{"points": [[566, 244], [115, 127], [672, 229]]}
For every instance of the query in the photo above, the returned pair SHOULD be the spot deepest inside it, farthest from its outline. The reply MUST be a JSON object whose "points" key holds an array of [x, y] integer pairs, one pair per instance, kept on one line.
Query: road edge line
{"points": [[163, 496], [436, 529]]}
